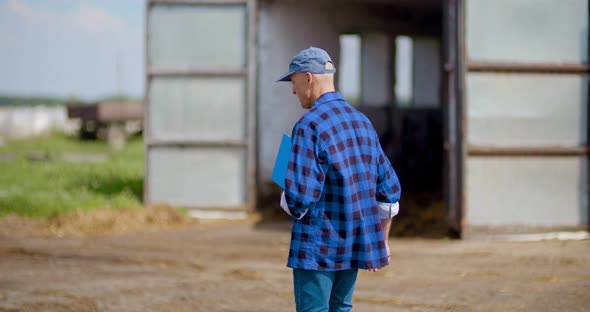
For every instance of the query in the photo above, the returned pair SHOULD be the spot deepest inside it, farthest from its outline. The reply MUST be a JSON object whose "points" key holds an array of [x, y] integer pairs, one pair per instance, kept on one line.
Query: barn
{"points": [[481, 106]]}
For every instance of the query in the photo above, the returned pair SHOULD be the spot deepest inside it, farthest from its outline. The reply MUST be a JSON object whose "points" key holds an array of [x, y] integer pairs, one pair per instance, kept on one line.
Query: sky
{"points": [[72, 48]]}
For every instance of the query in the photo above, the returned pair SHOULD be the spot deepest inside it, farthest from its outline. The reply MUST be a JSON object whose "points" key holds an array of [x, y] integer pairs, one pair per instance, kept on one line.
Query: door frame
{"points": [[454, 113]]}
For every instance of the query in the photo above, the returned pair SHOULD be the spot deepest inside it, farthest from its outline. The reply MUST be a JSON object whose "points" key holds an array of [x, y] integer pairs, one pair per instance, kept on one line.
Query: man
{"points": [[340, 190]]}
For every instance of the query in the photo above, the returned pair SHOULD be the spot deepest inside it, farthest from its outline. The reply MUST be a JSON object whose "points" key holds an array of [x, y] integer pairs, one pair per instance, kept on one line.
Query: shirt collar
{"points": [[328, 97]]}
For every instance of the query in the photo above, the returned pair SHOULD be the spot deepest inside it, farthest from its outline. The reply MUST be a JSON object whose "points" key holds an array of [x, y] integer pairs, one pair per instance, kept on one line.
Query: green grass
{"points": [[48, 188]]}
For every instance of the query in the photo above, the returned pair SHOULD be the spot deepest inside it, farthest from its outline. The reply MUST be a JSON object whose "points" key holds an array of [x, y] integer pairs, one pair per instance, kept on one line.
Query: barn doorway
{"points": [[396, 63], [394, 75]]}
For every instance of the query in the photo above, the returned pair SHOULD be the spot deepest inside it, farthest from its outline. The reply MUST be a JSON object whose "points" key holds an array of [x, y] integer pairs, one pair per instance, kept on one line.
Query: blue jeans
{"points": [[318, 291]]}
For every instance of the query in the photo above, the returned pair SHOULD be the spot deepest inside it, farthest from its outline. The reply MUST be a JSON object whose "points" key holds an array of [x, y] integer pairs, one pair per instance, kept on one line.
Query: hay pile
{"points": [[98, 222], [421, 215]]}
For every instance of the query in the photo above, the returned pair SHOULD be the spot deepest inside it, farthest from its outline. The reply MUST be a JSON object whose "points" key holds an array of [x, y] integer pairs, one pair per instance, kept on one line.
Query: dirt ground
{"points": [[240, 266]]}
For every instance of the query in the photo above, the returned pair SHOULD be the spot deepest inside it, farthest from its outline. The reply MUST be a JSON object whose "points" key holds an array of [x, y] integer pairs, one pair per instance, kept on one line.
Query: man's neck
{"points": [[323, 90]]}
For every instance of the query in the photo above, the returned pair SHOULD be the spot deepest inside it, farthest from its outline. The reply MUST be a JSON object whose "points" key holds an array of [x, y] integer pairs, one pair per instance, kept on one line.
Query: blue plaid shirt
{"points": [[337, 173]]}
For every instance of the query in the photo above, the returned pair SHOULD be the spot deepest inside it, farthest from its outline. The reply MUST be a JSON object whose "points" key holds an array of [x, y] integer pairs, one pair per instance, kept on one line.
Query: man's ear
{"points": [[309, 77]]}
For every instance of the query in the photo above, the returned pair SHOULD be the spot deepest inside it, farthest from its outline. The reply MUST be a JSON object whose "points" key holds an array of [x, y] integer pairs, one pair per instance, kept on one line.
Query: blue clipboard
{"points": [[279, 172]]}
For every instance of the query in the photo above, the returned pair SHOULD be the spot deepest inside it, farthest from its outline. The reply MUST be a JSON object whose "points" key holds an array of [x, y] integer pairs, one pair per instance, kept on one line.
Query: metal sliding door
{"points": [[526, 112], [199, 134]]}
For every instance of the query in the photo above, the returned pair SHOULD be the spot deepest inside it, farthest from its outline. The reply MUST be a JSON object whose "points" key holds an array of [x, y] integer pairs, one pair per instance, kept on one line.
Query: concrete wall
{"points": [[377, 87], [427, 72]]}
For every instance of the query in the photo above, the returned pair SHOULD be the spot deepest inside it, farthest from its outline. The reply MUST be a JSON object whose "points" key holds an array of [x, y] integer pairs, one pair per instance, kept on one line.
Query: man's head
{"points": [[312, 74]]}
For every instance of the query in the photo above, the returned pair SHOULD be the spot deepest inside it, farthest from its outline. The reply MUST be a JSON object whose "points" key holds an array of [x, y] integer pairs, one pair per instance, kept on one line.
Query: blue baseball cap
{"points": [[311, 60]]}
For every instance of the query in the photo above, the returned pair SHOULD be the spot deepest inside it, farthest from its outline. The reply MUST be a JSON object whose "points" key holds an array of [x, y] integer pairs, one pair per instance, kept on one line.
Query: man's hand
{"points": [[386, 224]]}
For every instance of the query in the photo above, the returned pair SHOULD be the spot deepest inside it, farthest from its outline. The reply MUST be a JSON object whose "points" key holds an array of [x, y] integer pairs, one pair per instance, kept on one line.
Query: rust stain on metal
{"points": [[545, 68], [528, 151]]}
